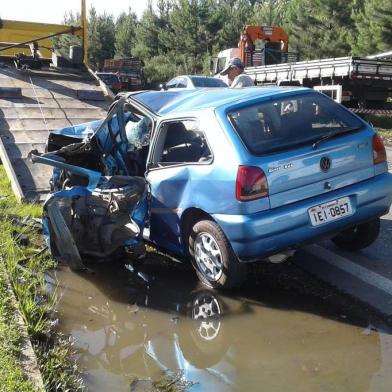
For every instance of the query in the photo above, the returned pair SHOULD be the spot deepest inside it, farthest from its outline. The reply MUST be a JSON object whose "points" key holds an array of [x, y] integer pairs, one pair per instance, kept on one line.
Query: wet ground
{"points": [[284, 331], [321, 322]]}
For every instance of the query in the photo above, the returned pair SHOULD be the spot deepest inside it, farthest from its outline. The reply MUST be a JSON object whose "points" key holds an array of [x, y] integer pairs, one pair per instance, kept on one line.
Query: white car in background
{"points": [[191, 82]]}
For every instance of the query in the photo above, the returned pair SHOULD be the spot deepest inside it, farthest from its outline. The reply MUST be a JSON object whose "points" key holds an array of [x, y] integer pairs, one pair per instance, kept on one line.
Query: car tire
{"points": [[358, 237], [213, 258]]}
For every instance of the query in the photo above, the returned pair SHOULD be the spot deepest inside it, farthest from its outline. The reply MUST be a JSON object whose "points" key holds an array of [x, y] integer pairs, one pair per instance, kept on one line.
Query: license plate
{"points": [[330, 211]]}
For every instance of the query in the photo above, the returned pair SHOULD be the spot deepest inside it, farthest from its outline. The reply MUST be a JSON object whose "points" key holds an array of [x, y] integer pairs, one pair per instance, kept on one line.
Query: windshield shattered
{"points": [[286, 122]]}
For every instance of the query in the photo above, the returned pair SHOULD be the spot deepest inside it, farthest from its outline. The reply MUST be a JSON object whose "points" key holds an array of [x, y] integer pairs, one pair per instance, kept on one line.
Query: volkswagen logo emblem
{"points": [[325, 164]]}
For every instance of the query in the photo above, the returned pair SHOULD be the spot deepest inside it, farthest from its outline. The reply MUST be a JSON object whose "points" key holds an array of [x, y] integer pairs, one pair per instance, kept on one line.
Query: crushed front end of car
{"points": [[97, 207]]}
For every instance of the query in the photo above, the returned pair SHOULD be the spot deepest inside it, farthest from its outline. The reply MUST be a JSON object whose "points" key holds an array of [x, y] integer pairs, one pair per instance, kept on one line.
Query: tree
{"points": [[187, 33], [373, 27], [180, 36], [101, 30], [125, 34], [319, 28], [234, 14], [64, 41], [269, 13], [147, 34]]}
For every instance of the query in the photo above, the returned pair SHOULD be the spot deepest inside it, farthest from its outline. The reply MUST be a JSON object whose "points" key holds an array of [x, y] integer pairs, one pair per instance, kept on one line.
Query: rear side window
{"points": [[286, 122], [181, 142]]}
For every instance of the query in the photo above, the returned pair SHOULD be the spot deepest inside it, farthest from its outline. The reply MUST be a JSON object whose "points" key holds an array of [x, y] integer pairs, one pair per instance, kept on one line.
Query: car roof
{"points": [[182, 101]]}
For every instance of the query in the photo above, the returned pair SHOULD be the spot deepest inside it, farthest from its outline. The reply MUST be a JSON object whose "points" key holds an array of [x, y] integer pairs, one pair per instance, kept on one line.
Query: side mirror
{"points": [[163, 87]]}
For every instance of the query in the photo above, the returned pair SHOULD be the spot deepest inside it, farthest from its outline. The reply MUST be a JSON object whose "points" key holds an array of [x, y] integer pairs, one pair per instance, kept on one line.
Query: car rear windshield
{"points": [[207, 82], [291, 121]]}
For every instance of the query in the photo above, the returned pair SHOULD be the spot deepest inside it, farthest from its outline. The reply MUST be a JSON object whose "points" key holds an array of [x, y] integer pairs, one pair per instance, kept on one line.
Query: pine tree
{"points": [[269, 13], [147, 34], [319, 28], [235, 14], [373, 23], [101, 38], [125, 34], [64, 41]]}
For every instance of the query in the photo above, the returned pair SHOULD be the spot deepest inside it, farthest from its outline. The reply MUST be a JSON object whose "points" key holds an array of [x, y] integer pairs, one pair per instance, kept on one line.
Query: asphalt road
{"points": [[365, 275]]}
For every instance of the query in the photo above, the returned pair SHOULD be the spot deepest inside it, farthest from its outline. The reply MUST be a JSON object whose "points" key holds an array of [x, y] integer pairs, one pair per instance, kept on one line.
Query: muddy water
{"points": [[277, 334]]}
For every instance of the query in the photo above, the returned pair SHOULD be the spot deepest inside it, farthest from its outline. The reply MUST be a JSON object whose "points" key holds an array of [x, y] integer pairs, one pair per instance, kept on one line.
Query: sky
{"points": [[52, 11]]}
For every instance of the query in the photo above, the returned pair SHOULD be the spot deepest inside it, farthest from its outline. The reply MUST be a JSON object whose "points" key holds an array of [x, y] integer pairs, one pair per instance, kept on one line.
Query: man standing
{"points": [[234, 72]]}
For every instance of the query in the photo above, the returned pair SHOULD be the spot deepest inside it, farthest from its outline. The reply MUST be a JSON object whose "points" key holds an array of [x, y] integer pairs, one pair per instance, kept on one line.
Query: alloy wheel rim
{"points": [[207, 310], [208, 256]]}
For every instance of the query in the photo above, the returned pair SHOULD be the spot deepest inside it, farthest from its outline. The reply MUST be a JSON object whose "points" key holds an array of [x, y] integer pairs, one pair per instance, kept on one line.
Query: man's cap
{"points": [[234, 62]]}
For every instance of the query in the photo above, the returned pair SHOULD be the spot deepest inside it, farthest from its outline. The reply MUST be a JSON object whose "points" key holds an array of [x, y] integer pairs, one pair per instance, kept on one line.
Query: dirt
{"points": [[283, 331]]}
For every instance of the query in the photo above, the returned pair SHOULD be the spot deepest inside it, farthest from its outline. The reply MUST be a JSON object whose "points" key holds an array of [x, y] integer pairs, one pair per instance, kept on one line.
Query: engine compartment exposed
{"points": [[98, 200], [100, 222]]}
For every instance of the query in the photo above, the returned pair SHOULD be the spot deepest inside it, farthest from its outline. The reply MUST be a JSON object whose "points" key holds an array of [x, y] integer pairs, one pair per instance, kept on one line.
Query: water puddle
{"points": [[269, 336]]}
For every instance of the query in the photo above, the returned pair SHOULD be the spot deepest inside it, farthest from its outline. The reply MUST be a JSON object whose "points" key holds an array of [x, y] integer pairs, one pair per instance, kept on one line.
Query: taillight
{"points": [[251, 183], [379, 153]]}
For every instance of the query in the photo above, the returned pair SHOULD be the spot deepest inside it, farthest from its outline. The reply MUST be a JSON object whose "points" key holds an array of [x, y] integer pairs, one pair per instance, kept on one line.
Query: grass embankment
{"points": [[11, 374], [383, 125], [25, 266]]}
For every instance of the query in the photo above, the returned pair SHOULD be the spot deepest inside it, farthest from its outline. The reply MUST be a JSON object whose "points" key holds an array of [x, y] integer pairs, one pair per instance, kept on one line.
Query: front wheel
{"points": [[358, 237], [213, 258]]}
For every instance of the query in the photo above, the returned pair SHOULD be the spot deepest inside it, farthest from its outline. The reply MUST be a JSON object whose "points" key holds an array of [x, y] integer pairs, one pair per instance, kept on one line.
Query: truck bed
{"points": [[354, 67], [33, 103]]}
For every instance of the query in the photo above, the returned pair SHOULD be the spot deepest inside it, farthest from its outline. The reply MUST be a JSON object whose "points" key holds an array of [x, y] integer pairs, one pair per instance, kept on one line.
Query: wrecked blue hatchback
{"points": [[221, 176]]}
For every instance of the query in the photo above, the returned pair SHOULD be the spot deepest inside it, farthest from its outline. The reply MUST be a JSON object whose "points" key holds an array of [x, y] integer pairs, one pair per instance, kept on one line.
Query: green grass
{"points": [[386, 135], [383, 126], [11, 374], [26, 273]]}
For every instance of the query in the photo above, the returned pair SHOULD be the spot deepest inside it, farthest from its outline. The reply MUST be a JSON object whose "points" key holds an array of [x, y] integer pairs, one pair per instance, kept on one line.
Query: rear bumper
{"points": [[261, 234]]}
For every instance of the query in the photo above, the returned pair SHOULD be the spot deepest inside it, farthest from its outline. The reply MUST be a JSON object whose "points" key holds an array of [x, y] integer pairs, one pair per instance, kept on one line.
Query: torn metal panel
{"points": [[95, 220], [98, 206], [62, 237], [96, 223]]}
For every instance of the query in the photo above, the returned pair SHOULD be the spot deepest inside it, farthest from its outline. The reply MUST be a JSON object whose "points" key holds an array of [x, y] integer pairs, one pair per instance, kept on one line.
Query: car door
{"points": [[178, 156]]}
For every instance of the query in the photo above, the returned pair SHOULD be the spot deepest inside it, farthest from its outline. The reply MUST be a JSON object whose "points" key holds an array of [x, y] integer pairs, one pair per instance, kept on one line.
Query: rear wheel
{"points": [[213, 258], [358, 237]]}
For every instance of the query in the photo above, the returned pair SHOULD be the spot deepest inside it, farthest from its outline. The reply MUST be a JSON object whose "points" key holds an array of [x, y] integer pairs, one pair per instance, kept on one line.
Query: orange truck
{"points": [[361, 83], [258, 45]]}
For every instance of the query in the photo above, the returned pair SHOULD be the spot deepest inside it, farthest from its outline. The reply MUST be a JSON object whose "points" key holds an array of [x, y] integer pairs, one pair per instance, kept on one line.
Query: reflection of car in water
{"points": [[223, 343], [223, 177]]}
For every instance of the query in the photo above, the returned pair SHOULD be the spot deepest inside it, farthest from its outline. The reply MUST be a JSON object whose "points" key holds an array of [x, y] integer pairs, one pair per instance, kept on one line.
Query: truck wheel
{"points": [[358, 237], [213, 258]]}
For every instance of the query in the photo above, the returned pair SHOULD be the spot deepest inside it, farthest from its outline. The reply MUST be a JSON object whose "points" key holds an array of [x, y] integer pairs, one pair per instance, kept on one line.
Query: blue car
{"points": [[224, 177]]}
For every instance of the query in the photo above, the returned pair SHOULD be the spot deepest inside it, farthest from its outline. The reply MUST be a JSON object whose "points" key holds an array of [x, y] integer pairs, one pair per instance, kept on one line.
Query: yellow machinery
{"points": [[16, 35]]}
